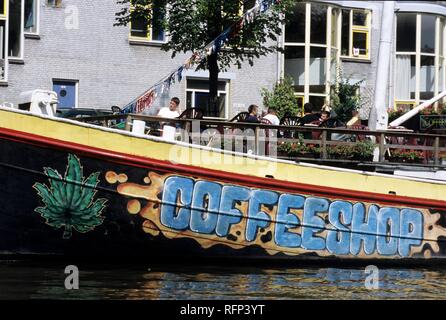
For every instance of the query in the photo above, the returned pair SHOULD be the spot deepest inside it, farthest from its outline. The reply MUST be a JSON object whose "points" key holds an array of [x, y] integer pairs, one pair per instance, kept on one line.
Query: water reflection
{"points": [[24, 281]]}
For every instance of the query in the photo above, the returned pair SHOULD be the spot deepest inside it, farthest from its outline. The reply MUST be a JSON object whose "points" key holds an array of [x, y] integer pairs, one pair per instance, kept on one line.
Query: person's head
{"points": [[272, 111], [253, 109], [308, 108], [174, 103], [325, 115]]}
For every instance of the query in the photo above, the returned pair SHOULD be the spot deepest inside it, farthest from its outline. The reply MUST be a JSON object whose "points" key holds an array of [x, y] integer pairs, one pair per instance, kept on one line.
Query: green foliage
{"points": [[69, 201], [345, 99], [192, 24], [281, 98]]}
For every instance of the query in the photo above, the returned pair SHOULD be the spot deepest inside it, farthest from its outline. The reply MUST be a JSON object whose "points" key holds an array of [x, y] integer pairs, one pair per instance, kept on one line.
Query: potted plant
{"points": [[282, 98], [345, 99], [361, 151], [406, 156], [298, 149]]}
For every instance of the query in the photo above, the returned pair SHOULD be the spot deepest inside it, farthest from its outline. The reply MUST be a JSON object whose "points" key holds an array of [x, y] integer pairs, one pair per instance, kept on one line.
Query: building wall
{"points": [[111, 71], [365, 71]]}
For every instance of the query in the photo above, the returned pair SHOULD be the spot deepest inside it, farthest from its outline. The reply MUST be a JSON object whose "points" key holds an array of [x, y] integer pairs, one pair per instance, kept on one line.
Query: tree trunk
{"points": [[213, 84], [215, 27]]}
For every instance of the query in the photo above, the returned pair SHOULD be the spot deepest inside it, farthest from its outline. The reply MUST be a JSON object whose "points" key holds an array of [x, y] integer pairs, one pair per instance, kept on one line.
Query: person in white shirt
{"points": [[272, 117], [170, 111]]}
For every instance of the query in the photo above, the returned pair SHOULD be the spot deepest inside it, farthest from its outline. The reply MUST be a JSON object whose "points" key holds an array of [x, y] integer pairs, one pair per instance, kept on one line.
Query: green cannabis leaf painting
{"points": [[69, 201]]}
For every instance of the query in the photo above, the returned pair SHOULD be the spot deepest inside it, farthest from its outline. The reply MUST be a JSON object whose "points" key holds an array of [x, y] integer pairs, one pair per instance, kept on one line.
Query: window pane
{"points": [[295, 66], [157, 23], [189, 99], [2, 7], [405, 71], [427, 33], [318, 23], [441, 35], [359, 43], [204, 84], [30, 16], [202, 102], [317, 102], [359, 18], [139, 27], [406, 32], [427, 77], [318, 69], [2, 49], [295, 27], [345, 33], [334, 28], [15, 28]]}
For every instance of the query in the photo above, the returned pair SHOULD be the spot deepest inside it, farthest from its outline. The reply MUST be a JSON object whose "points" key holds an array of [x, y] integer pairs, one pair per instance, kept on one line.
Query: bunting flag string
{"points": [[146, 100]]}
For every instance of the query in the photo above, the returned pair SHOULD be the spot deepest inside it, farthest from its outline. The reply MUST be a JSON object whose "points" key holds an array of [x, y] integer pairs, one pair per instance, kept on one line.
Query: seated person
{"points": [[170, 111], [309, 115], [325, 116], [354, 121], [272, 116], [253, 110]]}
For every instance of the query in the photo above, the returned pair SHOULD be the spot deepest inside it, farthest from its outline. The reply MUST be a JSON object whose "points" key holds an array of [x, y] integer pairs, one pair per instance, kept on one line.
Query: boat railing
{"points": [[318, 144]]}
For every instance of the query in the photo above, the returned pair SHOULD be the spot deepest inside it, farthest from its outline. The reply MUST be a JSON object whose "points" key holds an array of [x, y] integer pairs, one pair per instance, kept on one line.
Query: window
{"points": [[16, 36], [197, 93], [3, 8], [55, 3], [404, 105], [311, 50], [3, 41], [31, 16], [356, 33], [66, 93], [419, 58], [141, 29]]}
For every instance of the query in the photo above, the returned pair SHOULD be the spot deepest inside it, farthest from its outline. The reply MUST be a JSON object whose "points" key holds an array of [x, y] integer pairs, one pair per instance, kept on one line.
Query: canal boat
{"points": [[71, 188]]}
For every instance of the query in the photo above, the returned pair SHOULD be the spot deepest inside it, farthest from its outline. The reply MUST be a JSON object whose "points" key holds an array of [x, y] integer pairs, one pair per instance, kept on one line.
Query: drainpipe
{"points": [[378, 115]]}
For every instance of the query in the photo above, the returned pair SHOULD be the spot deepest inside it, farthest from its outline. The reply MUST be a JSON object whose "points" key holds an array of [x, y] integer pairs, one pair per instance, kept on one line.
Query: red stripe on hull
{"points": [[251, 181]]}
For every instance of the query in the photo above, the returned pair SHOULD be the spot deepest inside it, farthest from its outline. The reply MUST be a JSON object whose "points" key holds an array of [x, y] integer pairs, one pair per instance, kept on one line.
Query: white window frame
{"points": [[226, 91], [329, 46], [417, 53], [37, 12]]}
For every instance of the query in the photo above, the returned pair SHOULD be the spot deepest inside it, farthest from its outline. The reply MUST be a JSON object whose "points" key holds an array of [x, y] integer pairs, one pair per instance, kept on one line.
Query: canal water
{"points": [[24, 280]]}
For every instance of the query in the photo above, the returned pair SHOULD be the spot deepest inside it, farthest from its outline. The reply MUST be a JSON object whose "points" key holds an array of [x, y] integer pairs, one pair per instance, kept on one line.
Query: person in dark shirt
{"points": [[253, 110], [309, 115]]}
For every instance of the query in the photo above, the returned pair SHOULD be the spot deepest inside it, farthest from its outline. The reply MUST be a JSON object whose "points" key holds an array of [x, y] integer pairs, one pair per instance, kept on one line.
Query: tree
{"points": [[282, 98], [345, 99], [192, 24]]}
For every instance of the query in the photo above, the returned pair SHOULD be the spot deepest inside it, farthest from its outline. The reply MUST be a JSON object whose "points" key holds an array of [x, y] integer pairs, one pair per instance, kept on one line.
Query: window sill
{"points": [[3, 83], [32, 36], [142, 42], [353, 59], [13, 60]]}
